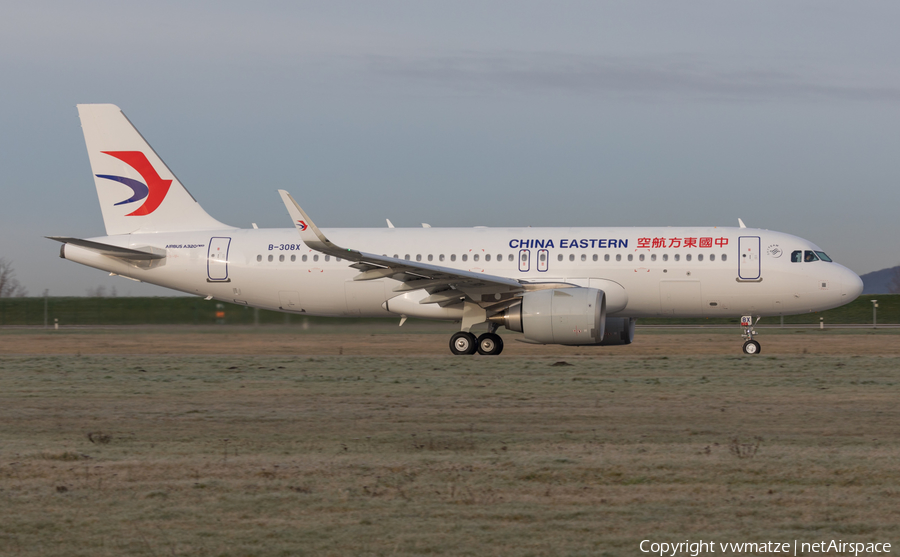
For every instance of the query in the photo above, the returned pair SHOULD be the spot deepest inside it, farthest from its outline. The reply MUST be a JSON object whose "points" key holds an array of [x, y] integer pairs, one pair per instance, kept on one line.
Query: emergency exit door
{"points": [[217, 259], [543, 260], [748, 258], [524, 260]]}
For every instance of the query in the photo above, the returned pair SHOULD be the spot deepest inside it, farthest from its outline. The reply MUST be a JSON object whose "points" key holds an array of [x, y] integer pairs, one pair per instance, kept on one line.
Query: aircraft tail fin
{"points": [[138, 193]]}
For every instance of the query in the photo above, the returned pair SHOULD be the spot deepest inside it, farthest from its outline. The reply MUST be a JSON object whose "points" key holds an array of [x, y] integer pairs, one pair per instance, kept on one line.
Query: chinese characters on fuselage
{"points": [[613, 243]]}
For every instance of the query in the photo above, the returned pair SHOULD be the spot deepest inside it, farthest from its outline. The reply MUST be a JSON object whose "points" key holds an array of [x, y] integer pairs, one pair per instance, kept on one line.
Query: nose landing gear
{"points": [[750, 345]]}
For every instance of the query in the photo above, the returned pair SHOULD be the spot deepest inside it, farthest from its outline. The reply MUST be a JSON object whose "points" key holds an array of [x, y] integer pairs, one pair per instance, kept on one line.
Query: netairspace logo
{"points": [[694, 549]]}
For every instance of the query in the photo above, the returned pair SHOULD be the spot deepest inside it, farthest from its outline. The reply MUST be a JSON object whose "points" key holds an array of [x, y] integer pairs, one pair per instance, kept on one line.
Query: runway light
{"points": [[874, 313]]}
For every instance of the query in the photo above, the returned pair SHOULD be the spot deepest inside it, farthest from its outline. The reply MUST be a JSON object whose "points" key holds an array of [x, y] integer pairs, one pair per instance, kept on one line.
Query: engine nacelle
{"points": [[571, 316], [619, 330]]}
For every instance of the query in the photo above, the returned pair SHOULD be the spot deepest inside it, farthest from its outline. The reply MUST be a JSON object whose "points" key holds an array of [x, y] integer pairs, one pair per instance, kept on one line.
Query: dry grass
{"points": [[355, 455]]}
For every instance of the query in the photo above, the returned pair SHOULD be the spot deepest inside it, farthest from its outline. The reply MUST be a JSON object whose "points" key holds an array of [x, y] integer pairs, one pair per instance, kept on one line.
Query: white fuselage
{"points": [[647, 272]]}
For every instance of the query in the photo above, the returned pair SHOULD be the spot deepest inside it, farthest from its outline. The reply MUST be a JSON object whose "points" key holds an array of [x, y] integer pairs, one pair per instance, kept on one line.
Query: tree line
{"points": [[9, 284]]}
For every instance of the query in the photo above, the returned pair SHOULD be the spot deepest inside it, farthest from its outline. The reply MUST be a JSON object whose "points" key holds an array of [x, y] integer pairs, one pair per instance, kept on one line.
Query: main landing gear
{"points": [[750, 345], [465, 343]]}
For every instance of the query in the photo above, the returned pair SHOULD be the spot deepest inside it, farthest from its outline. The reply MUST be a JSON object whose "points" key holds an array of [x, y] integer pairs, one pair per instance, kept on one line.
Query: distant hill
{"points": [[879, 282]]}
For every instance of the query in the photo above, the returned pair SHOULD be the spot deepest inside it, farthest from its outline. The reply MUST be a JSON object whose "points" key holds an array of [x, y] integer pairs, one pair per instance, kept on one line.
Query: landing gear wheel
{"points": [[751, 347], [490, 344], [463, 343]]}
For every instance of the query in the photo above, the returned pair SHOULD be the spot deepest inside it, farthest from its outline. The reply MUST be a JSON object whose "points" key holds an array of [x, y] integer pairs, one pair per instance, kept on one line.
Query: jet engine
{"points": [[573, 316]]}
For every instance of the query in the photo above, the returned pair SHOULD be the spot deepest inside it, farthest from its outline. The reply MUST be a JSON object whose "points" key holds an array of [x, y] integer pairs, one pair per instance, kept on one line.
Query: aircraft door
{"points": [[217, 259], [543, 260], [524, 260], [748, 258]]}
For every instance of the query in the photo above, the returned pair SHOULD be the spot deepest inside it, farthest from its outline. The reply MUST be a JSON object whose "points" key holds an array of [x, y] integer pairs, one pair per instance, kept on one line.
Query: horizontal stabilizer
{"points": [[144, 254]]}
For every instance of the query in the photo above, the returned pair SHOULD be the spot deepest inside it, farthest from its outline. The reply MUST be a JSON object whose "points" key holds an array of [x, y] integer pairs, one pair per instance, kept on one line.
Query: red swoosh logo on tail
{"points": [[157, 186]]}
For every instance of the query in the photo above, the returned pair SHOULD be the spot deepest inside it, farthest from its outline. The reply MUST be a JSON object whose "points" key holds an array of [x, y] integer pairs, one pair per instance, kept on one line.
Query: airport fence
{"points": [[75, 311], [857, 312], [186, 310]]}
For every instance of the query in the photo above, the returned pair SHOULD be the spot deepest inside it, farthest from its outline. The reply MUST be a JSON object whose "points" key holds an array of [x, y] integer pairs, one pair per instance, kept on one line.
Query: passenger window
{"points": [[606, 257], [328, 258], [796, 256], [441, 257], [653, 257], [584, 257], [304, 259], [452, 257], [281, 258], [475, 257], [293, 258], [823, 257], [271, 258], [465, 257], [559, 257], [595, 257], [418, 257], [677, 257], [406, 257], [687, 257], [665, 257], [430, 257], [712, 257], [487, 257], [571, 257], [396, 256], [512, 257], [259, 258], [641, 257], [630, 257], [618, 257], [724, 257], [499, 257], [809, 256], [700, 257], [338, 259], [316, 257]]}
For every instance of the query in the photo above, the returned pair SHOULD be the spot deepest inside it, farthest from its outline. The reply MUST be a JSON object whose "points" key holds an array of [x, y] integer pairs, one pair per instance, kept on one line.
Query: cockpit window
{"points": [[823, 257], [796, 256], [809, 256]]}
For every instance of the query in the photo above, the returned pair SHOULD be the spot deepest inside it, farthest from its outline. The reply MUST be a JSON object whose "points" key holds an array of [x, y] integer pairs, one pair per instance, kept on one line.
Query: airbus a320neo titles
{"points": [[569, 286]]}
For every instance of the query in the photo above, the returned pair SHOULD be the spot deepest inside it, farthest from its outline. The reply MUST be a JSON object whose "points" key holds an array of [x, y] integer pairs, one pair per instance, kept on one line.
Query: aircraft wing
{"points": [[446, 286]]}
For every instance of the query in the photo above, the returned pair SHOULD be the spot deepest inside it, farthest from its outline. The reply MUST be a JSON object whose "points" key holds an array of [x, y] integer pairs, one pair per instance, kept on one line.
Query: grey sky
{"points": [[785, 114]]}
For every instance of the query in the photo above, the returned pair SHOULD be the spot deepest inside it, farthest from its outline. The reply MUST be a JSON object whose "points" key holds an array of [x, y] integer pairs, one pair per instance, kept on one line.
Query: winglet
{"points": [[310, 233], [741, 223]]}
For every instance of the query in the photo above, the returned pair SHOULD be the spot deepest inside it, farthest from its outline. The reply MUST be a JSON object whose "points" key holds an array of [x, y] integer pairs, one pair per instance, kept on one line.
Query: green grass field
{"points": [[283, 455]]}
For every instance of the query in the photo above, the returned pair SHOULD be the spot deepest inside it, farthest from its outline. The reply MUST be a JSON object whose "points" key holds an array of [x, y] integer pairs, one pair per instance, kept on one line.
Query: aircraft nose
{"points": [[851, 286]]}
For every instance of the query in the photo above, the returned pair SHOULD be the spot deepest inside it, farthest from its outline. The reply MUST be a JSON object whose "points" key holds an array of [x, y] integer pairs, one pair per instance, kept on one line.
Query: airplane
{"points": [[573, 286]]}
